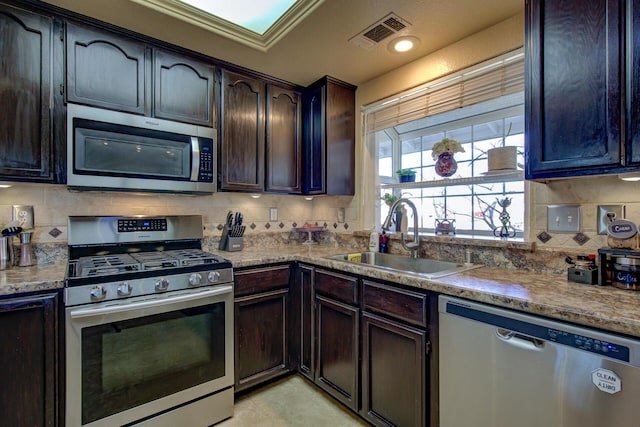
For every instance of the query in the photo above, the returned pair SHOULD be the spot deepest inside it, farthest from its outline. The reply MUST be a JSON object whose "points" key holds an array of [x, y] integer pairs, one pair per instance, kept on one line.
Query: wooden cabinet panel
{"points": [[28, 354], [573, 101], [337, 328], [183, 89], [284, 140], [242, 130], [633, 84], [261, 328], [393, 373], [26, 67], [401, 304], [330, 138], [337, 286], [261, 280], [305, 326], [106, 70]]}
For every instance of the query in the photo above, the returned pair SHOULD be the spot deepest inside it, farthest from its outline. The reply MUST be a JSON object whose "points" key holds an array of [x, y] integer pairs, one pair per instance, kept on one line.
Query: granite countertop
{"points": [[553, 296]]}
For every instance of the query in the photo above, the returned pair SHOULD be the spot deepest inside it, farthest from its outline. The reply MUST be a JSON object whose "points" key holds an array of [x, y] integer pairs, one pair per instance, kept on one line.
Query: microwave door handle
{"points": [[195, 158], [91, 312]]}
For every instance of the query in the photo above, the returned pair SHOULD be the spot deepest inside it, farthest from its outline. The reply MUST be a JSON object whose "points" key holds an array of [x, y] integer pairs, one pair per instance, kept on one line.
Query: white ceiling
{"points": [[320, 44]]}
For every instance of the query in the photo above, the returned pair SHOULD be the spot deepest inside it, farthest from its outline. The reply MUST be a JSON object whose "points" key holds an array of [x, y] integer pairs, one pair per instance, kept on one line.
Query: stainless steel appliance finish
{"points": [[500, 368], [110, 150], [149, 324]]}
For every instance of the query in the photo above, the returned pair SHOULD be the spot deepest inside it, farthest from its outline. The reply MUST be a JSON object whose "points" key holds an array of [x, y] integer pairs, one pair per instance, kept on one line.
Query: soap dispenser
{"points": [[373, 241]]}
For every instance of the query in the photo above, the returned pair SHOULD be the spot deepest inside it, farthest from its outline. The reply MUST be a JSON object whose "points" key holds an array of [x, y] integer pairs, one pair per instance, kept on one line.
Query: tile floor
{"points": [[292, 401]]}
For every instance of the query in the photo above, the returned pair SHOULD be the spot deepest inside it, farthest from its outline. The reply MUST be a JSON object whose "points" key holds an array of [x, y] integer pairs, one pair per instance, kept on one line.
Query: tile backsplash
{"points": [[52, 204]]}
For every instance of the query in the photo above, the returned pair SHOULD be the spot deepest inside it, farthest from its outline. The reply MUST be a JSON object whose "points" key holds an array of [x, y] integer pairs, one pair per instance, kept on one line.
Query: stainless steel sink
{"points": [[423, 267]]}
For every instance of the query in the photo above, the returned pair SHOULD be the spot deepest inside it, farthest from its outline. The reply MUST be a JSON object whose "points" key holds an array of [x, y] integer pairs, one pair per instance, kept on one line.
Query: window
{"points": [[402, 136]]}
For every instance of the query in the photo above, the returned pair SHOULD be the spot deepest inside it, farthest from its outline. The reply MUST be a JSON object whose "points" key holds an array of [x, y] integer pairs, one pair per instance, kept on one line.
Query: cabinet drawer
{"points": [[337, 286], [261, 280], [401, 304]]}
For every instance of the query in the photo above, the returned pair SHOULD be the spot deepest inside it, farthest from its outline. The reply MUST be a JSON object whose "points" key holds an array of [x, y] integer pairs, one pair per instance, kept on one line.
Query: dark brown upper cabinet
{"points": [[329, 138], [30, 66], [107, 70], [242, 130], [284, 140], [260, 129], [574, 103], [183, 89]]}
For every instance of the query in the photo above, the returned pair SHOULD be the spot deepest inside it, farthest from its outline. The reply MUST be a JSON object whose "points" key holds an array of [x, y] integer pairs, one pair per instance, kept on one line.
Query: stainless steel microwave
{"points": [[110, 150]]}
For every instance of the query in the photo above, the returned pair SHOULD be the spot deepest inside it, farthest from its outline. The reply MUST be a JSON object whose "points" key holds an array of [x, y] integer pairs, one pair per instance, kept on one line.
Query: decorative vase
{"points": [[446, 165]]}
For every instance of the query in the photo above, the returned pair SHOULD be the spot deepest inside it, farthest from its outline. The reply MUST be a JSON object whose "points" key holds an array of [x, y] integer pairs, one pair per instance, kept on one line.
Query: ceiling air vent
{"points": [[375, 33]]}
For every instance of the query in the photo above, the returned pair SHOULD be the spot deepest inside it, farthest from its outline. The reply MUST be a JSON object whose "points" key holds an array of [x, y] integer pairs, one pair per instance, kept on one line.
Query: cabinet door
{"points": [[315, 142], [105, 70], [572, 99], [284, 140], [393, 373], [25, 95], [304, 287], [183, 89], [242, 141], [28, 328], [633, 84], [337, 369], [260, 338]]}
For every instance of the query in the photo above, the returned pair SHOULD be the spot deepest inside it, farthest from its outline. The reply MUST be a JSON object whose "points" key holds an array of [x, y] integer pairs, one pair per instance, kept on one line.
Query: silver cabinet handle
{"points": [[90, 312]]}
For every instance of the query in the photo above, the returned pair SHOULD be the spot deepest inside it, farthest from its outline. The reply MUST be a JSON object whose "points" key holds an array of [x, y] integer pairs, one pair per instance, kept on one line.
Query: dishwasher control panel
{"points": [[587, 343]]}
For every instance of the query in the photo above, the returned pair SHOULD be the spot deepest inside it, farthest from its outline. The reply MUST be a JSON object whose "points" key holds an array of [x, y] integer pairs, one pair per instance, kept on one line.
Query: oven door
{"points": [[131, 359]]}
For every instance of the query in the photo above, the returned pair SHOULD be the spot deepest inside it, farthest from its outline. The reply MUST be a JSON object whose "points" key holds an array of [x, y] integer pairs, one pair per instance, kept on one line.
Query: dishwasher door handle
{"points": [[518, 340]]}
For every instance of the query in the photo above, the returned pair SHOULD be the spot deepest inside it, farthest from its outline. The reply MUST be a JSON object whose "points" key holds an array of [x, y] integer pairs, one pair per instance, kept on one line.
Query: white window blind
{"points": [[492, 79]]}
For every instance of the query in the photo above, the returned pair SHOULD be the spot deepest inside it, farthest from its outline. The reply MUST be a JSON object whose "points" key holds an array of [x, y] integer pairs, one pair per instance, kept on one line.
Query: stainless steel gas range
{"points": [[148, 323]]}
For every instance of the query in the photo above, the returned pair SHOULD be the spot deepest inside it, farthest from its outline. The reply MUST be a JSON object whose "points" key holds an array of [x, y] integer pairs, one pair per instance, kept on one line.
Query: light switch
{"points": [[563, 218]]}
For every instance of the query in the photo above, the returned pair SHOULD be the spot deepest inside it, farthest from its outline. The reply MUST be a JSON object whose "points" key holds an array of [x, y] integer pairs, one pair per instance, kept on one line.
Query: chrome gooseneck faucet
{"points": [[411, 246]]}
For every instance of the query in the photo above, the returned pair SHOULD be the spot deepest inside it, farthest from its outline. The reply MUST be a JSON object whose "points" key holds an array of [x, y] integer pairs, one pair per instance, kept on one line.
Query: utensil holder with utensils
{"points": [[232, 233]]}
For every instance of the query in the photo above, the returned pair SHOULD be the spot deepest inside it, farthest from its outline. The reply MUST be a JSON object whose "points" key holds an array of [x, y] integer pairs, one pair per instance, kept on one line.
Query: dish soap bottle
{"points": [[373, 241], [383, 242]]}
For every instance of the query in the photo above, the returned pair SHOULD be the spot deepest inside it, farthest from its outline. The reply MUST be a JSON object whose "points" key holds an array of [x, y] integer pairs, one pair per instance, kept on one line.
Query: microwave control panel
{"points": [[205, 171]]}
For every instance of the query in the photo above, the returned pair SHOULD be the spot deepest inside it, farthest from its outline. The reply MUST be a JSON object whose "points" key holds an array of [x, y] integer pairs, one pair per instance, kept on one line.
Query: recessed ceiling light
{"points": [[403, 44]]}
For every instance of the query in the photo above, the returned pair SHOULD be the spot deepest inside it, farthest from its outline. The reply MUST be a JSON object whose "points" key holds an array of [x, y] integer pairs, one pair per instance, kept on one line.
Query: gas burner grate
{"points": [[155, 260], [189, 257], [105, 265]]}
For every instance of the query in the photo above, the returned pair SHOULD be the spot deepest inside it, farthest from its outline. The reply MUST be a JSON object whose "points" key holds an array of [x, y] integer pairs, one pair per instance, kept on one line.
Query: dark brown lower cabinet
{"points": [[305, 317], [261, 325], [393, 372], [338, 355], [28, 357]]}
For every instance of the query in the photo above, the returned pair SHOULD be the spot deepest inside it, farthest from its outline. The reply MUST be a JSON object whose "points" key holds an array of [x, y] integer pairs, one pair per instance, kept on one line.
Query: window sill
{"points": [[495, 177]]}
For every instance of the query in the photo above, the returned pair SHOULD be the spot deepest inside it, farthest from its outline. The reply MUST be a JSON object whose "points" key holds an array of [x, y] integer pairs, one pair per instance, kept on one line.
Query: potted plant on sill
{"points": [[389, 199], [406, 175]]}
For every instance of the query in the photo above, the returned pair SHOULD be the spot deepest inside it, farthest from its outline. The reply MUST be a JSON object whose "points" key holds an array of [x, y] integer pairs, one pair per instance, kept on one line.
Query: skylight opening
{"points": [[254, 15]]}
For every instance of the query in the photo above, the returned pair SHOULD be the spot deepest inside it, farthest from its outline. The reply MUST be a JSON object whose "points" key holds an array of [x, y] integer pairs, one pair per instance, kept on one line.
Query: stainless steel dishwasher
{"points": [[501, 368]]}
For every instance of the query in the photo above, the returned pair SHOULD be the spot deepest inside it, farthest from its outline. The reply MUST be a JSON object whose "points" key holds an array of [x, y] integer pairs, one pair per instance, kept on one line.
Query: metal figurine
{"points": [[506, 230]]}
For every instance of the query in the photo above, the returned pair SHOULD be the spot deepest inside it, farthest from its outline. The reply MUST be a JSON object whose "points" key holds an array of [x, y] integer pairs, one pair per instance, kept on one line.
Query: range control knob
{"points": [[213, 276], [124, 289], [195, 279], [98, 292], [162, 284]]}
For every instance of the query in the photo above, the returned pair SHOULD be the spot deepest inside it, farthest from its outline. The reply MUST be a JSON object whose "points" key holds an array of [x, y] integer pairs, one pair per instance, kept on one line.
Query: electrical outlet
{"points": [[24, 215], [273, 214], [563, 218], [603, 221]]}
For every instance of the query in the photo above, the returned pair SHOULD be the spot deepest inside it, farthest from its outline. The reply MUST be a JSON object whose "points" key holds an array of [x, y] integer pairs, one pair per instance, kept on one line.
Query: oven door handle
{"points": [[90, 312]]}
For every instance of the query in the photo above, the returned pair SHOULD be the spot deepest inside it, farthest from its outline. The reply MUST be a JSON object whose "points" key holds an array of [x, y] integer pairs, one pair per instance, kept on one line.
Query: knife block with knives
{"points": [[232, 233]]}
